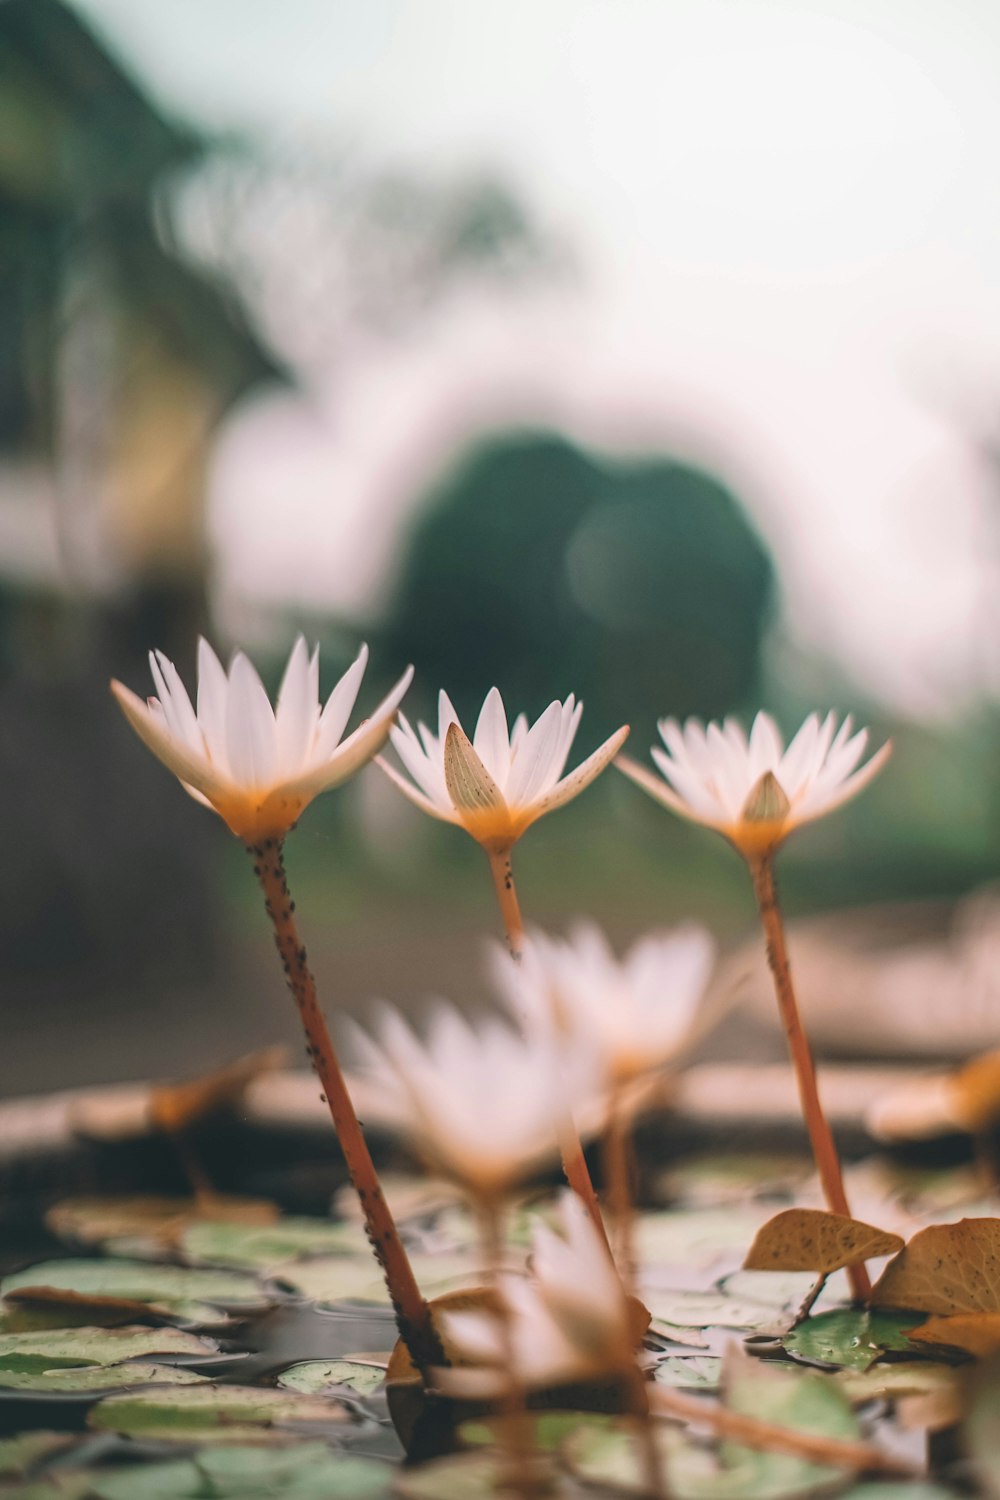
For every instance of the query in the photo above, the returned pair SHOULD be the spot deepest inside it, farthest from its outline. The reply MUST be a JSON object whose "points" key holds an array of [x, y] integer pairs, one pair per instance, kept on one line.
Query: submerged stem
{"points": [[412, 1313], [820, 1136]]}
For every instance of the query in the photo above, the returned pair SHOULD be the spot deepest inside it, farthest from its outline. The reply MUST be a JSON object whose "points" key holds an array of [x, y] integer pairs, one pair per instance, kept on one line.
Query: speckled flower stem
{"points": [[412, 1313], [510, 907], [574, 1162], [820, 1136]]}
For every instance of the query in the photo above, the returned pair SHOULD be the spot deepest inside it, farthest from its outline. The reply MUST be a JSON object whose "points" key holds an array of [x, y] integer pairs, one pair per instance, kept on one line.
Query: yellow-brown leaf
{"points": [[977, 1333], [948, 1268], [810, 1239]]}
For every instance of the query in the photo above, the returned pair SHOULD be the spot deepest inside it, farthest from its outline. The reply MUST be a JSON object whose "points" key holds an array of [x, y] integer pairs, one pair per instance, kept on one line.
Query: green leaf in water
{"points": [[97, 1346], [142, 1281], [701, 1372], [849, 1338], [62, 1381], [212, 1412], [316, 1375], [258, 1247]]}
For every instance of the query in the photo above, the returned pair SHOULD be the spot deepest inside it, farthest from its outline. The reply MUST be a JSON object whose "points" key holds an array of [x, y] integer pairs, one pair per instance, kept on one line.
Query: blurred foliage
{"points": [[640, 585]]}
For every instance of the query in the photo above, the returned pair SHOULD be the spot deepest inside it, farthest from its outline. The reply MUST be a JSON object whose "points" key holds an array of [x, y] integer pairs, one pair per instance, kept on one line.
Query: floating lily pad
{"points": [[258, 1247], [140, 1281], [357, 1279], [213, 1412], [697, 1238], [785, 1291], [28, 1352], [470, 1476], [315, 1375], [910, 1377], [154, 1223], [63, 1381], [804, 1402], [690, 1371], [709, 1309], [306, 1471], [849, 1338], [19, 1454], [35, 1309]]}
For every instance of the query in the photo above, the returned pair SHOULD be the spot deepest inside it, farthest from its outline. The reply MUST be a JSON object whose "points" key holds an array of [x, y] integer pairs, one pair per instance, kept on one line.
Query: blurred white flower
{"points": [[637, 1012], [257, 767], [496, 785], [754, 791], [570, 1321], [483, 1106]]}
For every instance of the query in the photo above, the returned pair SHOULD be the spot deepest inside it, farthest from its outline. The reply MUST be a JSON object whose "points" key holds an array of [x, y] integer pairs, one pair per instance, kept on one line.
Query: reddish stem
{"points": [[413, 1316], [820, 1136]]}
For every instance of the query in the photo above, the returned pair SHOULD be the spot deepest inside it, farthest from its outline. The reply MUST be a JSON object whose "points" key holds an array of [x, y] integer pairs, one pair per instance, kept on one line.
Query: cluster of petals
{"points": [[257, 766], [498, 783], [481, 1104], [752, 788], [569, 1321], [637, 1013]]}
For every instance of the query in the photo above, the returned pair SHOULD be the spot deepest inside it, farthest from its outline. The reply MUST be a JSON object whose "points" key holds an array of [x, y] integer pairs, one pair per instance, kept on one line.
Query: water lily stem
{"points": [[570, 1146], [820, 1136], [412, 1313], [619, 1178], [510, 907]]}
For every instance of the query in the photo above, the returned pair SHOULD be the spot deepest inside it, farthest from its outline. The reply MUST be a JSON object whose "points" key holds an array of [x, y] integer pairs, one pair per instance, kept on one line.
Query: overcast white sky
{"points": [[789, 219]]}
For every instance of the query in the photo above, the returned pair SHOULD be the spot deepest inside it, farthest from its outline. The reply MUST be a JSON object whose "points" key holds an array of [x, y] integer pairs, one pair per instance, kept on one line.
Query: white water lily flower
{"points": [[570, 1321], [753, 790], [498, 783], [481, 1104], [638, 1012], [258, 767]]}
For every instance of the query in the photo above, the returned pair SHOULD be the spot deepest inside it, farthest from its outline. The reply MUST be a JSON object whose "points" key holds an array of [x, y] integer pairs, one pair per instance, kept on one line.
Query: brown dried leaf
{"points": [[976, 1333], [177, 1106], [948, 1268], [810, 1239], [160, 1220], [975, 1092]]}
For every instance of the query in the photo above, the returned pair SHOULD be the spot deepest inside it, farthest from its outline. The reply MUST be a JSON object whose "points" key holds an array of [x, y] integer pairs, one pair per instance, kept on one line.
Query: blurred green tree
{"points": [[640, 585]]}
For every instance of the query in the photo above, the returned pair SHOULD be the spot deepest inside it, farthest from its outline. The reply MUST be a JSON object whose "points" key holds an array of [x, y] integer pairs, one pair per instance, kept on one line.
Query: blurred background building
{"points": [[649, 353]]}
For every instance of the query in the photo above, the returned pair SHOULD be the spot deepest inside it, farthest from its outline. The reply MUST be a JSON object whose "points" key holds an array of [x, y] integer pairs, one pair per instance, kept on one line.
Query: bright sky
{"points": [[788, 216]]}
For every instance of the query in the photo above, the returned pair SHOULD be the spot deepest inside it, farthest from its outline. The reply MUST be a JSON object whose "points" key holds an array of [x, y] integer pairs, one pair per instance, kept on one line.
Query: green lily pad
{"points": [[260, 1246], [316, 1375], [711, 1309], [806, 1402], [697, 1238], [785, 1291], [62, 1381], [21, 1453], [141, 1281], [549, 1429], [212, 1412], [469, 1476], [305, 1471], [701, 1372], [885, 1381], [849, 1338], [357, 1279], [897, 1489], [27, 1352], [23, 1313]]}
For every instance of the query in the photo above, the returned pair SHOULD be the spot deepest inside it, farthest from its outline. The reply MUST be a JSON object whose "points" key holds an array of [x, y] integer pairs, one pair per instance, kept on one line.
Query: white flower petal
{"points": [[333, 719], [250, 728]]}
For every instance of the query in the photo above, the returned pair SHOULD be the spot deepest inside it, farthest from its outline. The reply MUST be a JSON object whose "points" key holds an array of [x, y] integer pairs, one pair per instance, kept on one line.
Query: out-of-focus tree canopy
{"points": [[640, 585]]}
